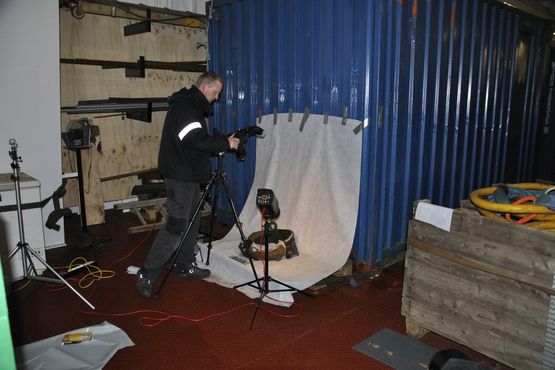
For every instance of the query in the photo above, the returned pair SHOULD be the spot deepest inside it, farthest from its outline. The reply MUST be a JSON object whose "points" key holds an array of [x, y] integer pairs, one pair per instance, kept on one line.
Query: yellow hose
{"points": [[544, 219], [475, 197], [542, 225], [493, 215]]}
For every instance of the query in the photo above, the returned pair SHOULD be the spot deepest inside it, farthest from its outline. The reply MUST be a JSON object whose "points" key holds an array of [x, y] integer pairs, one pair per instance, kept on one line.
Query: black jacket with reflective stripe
{"points": [[187, 158]]}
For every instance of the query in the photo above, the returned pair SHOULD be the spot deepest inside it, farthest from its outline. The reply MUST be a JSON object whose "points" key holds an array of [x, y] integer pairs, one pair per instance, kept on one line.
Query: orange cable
{"points": [[523, 220]]}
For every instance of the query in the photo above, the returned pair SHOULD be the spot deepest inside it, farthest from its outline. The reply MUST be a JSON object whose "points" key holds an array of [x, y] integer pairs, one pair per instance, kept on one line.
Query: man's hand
{"points": [[233, 142]]}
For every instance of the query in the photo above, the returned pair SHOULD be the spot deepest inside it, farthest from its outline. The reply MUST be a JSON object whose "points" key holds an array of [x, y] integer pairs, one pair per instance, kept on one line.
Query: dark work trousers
{"points": [[182, 198]]}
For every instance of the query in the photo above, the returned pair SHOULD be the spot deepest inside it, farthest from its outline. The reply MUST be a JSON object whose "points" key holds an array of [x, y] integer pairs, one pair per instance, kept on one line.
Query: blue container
{"points": [[432, 81]]}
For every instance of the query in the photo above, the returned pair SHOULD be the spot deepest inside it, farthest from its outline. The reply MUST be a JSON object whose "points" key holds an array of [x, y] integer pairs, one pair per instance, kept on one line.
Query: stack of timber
{"points": [[486, 284]]}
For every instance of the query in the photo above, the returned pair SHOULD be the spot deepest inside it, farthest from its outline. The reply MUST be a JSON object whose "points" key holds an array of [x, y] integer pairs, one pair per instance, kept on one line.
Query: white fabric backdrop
{"points": [[315, 175]]}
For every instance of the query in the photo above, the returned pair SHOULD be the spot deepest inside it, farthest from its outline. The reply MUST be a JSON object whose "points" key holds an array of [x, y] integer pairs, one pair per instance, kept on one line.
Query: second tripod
{"points": [[262, 284]]}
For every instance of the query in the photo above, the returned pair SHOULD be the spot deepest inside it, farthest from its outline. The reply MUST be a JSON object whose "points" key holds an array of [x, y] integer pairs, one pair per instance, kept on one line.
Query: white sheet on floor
{"points": [[315, 175], [49, 353]]}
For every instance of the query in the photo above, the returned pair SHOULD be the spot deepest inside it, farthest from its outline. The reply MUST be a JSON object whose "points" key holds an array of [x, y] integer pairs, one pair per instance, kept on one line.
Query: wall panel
{"points": [[127, 145], [29, 96]]}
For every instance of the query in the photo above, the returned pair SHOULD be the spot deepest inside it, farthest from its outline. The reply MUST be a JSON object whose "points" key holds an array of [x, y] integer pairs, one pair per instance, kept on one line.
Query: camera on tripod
{"points": [[243, 134]]}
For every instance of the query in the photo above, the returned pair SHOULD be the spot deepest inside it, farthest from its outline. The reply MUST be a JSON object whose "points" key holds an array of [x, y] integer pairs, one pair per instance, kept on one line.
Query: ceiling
{"points": [[539, 8]]}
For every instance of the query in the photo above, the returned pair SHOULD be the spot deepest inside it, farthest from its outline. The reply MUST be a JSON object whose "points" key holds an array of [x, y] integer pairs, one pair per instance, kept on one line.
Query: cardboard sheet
{"points": [[315, 175]]}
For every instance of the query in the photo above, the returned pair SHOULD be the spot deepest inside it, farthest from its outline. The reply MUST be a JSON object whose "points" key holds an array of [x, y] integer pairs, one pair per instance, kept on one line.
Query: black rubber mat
{"points": [[396, 350]]}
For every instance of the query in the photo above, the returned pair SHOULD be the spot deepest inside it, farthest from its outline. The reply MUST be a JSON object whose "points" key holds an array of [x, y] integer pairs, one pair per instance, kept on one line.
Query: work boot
{"points": [[144, 283], [191, 271]]}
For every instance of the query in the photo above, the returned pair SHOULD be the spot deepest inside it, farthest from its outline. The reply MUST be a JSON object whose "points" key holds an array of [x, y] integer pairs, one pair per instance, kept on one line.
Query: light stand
{"points": [[29, 270], [218, 176], [270, 210]]}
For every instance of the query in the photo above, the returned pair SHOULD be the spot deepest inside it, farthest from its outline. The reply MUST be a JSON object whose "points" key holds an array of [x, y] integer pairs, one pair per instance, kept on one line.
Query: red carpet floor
{"points": [[201, 325]]}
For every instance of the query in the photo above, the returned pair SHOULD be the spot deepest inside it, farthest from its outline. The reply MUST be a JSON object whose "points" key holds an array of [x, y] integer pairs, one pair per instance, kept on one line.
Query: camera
{"points": [[243, 134]]}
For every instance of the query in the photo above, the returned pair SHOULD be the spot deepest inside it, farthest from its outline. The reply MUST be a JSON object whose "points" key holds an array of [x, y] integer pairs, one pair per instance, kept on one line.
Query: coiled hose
{"points": [[522, 208]]}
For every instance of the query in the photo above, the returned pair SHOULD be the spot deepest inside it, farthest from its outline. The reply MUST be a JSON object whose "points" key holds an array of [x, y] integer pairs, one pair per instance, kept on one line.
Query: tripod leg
{"points": [[186, 233], [257, 307], [230, 201], [25, 257], [238, 224], [60, 279], [27, 263], [12, 253], [212, 217], [289, 288]]}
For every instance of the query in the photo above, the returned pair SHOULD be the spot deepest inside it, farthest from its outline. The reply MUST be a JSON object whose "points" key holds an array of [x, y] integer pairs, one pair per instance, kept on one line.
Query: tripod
{"points": [[218, 176], [29, 270], [264, 288]]}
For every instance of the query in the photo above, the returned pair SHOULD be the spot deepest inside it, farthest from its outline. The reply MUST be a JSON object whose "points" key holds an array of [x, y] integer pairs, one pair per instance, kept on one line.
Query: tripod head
{"points": [[13, 154]]}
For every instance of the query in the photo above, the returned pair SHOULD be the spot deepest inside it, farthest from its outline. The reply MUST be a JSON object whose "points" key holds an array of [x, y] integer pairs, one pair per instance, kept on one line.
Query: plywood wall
{"points": [[126, 145]]}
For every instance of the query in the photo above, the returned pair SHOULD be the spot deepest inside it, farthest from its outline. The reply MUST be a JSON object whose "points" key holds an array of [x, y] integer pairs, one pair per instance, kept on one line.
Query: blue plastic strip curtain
{"points": [[431, 82]]}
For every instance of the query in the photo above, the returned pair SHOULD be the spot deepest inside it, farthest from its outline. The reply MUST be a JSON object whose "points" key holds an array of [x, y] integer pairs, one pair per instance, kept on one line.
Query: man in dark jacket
{"points": [[184, 162]]}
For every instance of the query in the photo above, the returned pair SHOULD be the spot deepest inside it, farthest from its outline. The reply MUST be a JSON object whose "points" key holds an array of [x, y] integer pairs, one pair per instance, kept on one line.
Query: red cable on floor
{"points": [[149, 321], [141, 243]]}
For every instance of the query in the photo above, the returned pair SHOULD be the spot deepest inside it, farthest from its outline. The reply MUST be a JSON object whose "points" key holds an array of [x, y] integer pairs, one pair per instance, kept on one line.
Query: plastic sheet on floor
{"points": [[50, 353]]}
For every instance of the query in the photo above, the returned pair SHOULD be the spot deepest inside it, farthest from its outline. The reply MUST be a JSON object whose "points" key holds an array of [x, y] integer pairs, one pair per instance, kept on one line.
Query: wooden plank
{"points": [[140, 12], [99, 37], [503, 305], [94, 202], [147, 227], [466, 204], [414, 329], [475, 336], [509, 233], [513, 260]]}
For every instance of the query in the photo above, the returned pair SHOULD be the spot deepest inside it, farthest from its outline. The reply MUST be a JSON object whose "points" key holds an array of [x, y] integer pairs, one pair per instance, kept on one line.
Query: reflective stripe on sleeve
{"points": [[191, 126]]}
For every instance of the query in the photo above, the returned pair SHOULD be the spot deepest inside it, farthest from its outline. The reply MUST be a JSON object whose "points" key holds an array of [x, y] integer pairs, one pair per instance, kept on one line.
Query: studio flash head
{"points": [[267, 204]]}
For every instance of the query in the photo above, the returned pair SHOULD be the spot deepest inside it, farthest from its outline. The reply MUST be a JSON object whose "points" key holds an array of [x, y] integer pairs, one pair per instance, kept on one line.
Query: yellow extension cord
{"points": [[544, 219]]}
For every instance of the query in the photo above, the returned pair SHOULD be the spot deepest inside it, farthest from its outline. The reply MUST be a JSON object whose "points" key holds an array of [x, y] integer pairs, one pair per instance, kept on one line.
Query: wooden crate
{"points": [[485, 284]]}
